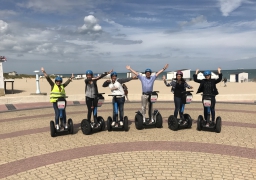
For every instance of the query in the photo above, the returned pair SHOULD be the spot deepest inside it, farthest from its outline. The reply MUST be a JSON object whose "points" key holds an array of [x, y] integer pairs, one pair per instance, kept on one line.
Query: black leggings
{"points": [[92, 107], [213, 102]]}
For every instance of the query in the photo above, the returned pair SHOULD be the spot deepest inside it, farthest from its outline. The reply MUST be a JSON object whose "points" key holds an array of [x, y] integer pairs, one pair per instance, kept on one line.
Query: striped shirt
{"points": [[147, 83]]}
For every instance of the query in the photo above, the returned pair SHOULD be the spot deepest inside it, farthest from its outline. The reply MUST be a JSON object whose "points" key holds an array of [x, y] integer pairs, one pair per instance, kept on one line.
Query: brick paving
{"points": [[28, 151]]}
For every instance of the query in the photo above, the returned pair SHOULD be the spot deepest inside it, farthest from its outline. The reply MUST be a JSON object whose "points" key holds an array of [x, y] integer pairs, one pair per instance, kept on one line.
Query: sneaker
{"points": [[113, 123], [121, 123], [152, 121], [180, 121], [57, 127], [92, 124], [66, 126], [144, 119], [184, 123], [207, 125]]}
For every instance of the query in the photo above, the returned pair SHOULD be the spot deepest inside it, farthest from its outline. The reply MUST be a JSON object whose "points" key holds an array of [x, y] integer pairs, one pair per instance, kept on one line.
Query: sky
{"points": [[67, 36]]}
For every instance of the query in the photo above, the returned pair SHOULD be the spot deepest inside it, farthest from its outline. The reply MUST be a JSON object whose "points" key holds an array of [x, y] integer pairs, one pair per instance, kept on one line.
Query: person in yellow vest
{"points": [[57, 91]]}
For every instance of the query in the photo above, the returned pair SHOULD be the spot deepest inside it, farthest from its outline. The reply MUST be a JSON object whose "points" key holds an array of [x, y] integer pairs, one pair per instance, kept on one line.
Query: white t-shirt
{"points": [[119, 90]]}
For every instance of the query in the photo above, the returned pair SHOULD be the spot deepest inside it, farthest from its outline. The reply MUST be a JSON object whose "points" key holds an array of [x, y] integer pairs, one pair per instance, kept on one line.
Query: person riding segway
{"points": [[58, 98], [209, 90], [118, 102], [181, 97], [148, 96]]}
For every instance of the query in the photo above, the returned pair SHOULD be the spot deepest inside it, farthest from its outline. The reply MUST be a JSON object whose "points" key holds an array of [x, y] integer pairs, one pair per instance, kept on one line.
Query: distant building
{"points": [[239, 77], [172, 75], [14, 73], [214, 75]]}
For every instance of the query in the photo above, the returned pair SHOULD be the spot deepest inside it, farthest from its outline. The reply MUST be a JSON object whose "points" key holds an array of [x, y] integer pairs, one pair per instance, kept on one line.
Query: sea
{"points": [[226, 74]]}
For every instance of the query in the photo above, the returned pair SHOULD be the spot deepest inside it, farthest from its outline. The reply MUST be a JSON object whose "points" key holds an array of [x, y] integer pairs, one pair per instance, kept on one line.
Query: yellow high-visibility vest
{"points": [[56, 93]]}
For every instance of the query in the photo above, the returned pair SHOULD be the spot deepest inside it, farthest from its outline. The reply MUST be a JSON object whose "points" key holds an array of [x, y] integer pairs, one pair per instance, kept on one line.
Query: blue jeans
{"points": [[212, 109], [57, 113], [120, 104], [179, 106]]}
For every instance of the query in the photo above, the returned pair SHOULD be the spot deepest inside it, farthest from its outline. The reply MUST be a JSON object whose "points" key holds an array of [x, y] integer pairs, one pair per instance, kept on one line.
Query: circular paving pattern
{"points": [[29, 152]]}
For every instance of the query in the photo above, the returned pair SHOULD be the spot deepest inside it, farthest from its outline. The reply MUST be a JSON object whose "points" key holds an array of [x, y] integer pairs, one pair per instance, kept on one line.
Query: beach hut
{"points": [[214, 75], [239, 77], [172, 75], [14, 73]]}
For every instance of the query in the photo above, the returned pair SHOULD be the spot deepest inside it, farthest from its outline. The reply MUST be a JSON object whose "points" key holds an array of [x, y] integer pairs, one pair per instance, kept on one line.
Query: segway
{"points": [[201, 122], [185, 120], [157, 117], [117, 125], [88, 126], [61, 103]]}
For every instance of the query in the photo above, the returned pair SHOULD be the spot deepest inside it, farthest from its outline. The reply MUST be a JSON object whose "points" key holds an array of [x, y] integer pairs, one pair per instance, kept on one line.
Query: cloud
{"points": [[144, 19], [3, 26], [193, 21], [90, 25], [227, 6], [5, 13]]}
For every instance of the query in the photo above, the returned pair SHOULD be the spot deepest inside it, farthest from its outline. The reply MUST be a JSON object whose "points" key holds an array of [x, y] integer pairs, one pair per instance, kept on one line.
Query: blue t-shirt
{"points": [[147, 83]]}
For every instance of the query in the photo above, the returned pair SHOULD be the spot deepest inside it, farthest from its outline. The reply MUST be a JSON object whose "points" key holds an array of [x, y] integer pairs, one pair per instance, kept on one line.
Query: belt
{"points": [[145, 93]]}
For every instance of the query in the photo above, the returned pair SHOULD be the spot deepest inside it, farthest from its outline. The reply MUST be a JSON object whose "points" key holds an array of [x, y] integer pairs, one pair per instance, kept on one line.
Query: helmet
{"points": [[89, 72], [148, 70], [113, 74], [58, 79], [207, 73], [179, 73]]}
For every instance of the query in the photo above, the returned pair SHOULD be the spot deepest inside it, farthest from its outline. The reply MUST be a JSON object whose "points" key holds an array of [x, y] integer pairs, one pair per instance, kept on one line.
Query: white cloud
{"points": [[90, 25], [144, 19], [227, 6], [193, 21], [3, 26]]}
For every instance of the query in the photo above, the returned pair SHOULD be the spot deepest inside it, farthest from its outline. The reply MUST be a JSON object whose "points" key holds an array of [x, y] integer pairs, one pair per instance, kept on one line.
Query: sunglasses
{"points": [[59, 81]]}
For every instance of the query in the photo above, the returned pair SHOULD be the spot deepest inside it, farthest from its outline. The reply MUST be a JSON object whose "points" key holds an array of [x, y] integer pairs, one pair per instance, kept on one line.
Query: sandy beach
{"points": [[236, 92]]}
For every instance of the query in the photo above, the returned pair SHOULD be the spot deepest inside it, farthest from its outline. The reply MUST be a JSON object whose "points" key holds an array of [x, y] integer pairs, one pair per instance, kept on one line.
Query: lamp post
{"points": [[37, 83]]}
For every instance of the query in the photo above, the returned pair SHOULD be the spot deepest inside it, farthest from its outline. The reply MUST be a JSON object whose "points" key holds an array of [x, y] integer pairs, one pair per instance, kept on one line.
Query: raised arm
{"points": [[164, 68], [130, 69], [106, 83], [69, 80], [165, 82], [102, 75], [195, 77], [47, 77], [220, 76], [124, 80]]}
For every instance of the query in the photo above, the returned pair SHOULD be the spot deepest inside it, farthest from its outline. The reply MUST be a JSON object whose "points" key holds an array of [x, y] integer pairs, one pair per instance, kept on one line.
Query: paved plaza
{"points": [[29, 152]]}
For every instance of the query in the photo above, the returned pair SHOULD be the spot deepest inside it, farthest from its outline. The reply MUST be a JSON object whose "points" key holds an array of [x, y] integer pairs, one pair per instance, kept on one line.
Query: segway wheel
{"points": [[199, 122], [52, 129], [188, 119], [159, 121], [126, 123], [86, 127], [102, 122], [218, 124], [109, 122], [173, 123], [70, 126], [138, 121]]}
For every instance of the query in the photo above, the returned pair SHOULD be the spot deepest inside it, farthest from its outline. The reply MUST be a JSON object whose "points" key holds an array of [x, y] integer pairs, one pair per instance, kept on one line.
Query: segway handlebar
{"points": [[98, 94], [114, 95], [186, 92]]}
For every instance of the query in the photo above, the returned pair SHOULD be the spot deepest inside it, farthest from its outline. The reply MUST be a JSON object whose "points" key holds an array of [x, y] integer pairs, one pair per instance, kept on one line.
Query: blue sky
{"points": [[66, 36]]}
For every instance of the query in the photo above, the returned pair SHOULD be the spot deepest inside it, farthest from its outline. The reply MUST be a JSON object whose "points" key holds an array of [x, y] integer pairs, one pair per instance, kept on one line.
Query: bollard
{"points": [[37, 83]]}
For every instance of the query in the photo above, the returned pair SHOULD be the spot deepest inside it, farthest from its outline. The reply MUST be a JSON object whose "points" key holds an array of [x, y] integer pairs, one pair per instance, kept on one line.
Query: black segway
{"points": [[185, 120], [157, 117], [117, 125], [88, 126], [61, 103], [201, 122]]}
